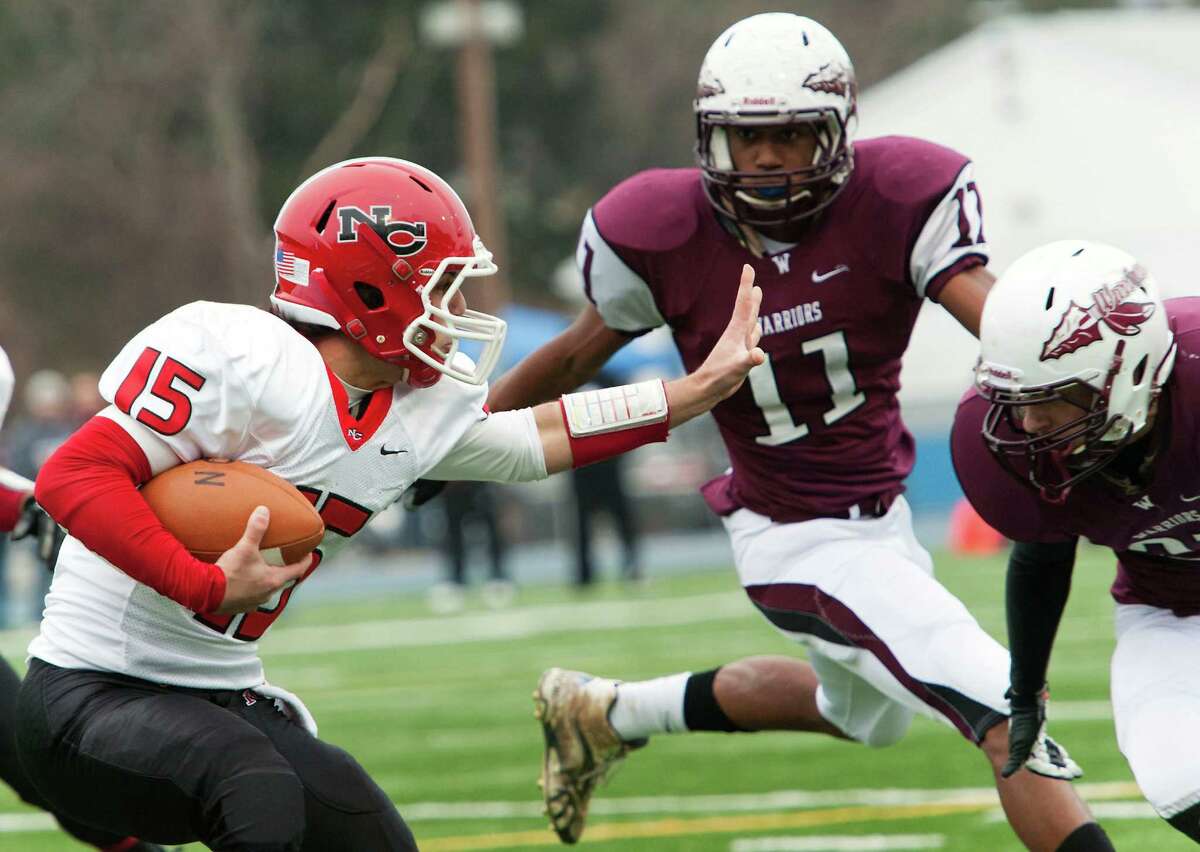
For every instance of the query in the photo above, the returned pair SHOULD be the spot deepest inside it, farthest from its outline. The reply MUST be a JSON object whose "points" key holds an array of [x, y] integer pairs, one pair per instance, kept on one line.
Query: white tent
{"points": [[1081, 124]]}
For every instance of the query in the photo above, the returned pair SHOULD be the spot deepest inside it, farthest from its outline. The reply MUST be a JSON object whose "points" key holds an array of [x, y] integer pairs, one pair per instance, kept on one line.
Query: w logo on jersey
{"points": [[404, 238], [783, 262]]}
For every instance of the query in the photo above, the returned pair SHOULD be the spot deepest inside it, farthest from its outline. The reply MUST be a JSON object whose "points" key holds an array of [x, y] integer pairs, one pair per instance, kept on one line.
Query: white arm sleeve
{"points": [[953, 230], [504, 447], [622, 298]]}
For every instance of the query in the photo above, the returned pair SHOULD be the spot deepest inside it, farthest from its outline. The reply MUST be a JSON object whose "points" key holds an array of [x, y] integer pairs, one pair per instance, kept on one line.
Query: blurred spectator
{"points": [[600, 489], [48, 421], [467, 505], [85, 397]]}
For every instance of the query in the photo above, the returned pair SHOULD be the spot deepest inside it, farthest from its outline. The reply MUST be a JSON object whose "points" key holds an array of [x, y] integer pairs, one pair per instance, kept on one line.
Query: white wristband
{"points": [[613, 409]]}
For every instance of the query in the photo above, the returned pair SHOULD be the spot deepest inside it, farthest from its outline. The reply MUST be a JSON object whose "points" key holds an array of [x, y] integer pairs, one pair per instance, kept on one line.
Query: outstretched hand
{"points": [[737, 352], [250, 581]]}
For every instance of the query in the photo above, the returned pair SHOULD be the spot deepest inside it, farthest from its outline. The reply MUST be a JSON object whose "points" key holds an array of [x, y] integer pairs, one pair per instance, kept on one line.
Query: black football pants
{"points": [[174, 765], [12, 773]]}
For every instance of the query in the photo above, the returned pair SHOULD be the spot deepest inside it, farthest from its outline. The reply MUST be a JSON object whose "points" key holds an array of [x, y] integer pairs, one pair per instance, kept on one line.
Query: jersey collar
{"points": [[357, 432]]}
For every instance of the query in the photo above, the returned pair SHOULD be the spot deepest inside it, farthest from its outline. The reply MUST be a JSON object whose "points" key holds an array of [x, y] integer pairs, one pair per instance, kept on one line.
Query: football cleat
{"points": [[582, 749]]}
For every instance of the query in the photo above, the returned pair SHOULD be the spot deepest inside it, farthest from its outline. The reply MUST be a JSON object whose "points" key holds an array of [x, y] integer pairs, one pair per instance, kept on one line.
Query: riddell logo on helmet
{"points": [[1080, 326], [404, 238], [758, 101], [829, 79]]}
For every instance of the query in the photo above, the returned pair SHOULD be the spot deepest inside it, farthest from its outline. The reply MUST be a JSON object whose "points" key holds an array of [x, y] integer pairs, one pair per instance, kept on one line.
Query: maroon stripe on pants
{"points": [[801, 608]]}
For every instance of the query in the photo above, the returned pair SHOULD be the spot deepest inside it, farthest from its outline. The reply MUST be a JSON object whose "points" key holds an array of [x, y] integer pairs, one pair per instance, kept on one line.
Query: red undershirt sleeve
{"points": [[10, 508], [90, 486]]}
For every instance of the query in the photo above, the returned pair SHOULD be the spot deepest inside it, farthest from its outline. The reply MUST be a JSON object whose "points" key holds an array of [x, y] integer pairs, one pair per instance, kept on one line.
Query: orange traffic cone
{"points": [[970, 534]]}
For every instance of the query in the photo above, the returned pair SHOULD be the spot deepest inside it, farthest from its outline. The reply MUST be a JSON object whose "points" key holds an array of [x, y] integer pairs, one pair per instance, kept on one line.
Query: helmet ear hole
{"points": [[370, 295], [1139, 372], [325, 216]]}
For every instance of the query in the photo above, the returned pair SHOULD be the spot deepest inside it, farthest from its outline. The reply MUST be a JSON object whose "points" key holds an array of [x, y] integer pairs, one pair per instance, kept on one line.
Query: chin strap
{"points": [[746, 236]]}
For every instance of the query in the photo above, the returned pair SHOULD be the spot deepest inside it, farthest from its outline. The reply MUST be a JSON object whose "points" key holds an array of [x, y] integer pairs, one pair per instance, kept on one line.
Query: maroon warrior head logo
{"points": [[830, 79], [1110, 305]]}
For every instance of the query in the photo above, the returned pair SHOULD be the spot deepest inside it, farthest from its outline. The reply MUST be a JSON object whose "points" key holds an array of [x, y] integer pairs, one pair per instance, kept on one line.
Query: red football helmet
{"points": [[358, 247]]}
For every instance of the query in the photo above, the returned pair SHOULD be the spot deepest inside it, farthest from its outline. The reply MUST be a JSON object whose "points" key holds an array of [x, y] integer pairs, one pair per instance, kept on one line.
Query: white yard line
{"points": [[778, 800], [517, 623], [839, 843], [22, 823], [1103, 811], [1114, 799]]}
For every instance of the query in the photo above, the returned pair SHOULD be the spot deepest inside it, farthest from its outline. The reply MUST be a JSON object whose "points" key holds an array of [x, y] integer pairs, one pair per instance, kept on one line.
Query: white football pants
{"points": [[885, 638], [1156, 703]]}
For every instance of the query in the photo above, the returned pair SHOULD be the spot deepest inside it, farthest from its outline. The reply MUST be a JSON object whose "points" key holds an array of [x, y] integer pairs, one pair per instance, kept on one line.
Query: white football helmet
{"points": [[1075, 321], [775, 68]]}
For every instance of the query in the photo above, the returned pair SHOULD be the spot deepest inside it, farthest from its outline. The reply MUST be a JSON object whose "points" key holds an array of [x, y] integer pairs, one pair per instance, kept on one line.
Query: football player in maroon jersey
{"points": [[1084, 425], [847, 241]]}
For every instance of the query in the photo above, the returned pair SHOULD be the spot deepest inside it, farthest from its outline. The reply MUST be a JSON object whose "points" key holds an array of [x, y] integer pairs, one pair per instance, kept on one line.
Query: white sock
{"points": [[649, 707]]}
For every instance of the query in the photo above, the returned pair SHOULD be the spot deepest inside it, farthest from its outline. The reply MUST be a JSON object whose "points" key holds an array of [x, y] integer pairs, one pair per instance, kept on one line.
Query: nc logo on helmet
{"points": [[404, 238]]}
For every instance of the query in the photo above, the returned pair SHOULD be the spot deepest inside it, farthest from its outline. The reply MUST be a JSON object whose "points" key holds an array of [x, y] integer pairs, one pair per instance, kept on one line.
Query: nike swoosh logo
{"points": [[1189, 499], [837, 270], [384, 451]]}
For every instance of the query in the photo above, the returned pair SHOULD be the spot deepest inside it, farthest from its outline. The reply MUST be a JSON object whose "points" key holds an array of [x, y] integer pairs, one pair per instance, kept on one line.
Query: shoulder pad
{"points": [[6, 384], [907, 170], [1009, 506], [653, 211]]}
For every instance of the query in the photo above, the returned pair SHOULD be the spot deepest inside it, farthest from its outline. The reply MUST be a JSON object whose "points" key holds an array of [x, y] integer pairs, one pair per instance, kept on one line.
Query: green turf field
{"points": [[439, 712]]}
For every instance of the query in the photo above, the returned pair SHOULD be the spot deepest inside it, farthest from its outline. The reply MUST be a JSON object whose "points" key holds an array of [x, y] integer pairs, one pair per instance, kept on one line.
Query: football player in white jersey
{"points": [[20, 516], [146, 709]]}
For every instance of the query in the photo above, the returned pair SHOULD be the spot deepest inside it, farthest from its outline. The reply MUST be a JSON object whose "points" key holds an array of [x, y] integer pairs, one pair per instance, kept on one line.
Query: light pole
{"points": [[474, 26]]}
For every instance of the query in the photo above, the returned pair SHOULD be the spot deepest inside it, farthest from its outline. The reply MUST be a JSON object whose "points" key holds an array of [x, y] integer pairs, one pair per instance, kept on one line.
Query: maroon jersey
{"points": [[816, 430], [1155, 533]]}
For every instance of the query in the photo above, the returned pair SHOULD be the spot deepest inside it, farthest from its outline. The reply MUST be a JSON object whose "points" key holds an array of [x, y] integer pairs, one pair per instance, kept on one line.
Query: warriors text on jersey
{"points": [[231, 381], [1156, 532], [816, 429]]}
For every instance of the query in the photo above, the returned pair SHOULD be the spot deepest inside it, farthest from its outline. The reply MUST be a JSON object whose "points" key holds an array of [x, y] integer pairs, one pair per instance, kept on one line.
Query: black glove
{"points": [[1028, 744], [421, 492], [1028, 714], [47, 535]]}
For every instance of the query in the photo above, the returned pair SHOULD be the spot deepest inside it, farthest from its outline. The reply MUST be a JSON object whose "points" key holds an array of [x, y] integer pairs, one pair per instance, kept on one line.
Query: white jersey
{"points": [[231, 381], [6, 384], [8, 479]]}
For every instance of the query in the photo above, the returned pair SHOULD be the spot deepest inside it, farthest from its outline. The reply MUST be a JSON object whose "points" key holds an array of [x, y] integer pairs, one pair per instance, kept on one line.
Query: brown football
{"points": [[205, 504]]}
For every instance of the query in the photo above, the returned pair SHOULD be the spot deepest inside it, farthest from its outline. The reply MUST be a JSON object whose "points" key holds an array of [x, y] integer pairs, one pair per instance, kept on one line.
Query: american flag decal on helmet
{"points": [[1111, 305], [291, 268]]}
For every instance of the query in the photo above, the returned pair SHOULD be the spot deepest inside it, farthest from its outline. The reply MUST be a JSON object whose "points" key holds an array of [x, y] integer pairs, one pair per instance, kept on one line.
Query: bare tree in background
{"points": [[653, 76], [133, 152], [146, 145]]}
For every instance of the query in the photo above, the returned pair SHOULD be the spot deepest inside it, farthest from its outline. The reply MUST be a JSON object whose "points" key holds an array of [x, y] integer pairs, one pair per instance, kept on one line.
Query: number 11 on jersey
{"points": [[781, 428]]}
